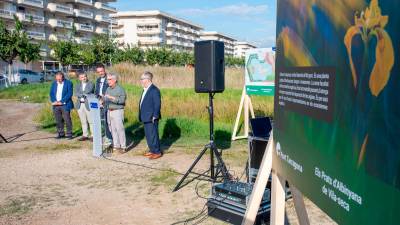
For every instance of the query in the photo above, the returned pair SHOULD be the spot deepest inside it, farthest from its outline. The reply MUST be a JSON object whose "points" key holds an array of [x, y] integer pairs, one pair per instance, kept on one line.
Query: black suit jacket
{"points": [[151, 105], [97, 89]]}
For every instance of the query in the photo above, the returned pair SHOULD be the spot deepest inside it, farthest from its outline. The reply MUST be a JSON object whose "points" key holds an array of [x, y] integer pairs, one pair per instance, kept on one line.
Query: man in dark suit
{"points": [[100, 90], [82, 90], [149, 114], [61, 98]]}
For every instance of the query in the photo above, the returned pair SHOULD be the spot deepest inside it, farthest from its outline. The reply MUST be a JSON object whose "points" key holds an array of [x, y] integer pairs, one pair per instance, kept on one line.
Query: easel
{"points": [[277, 193], [245, 103]]}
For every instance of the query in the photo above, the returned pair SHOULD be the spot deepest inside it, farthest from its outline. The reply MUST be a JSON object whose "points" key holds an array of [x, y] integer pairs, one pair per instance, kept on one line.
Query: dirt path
{"points": [[48, 181]]}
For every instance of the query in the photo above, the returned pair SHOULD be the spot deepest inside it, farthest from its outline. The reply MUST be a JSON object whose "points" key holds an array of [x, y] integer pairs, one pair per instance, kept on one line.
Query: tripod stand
{"points": [[215, 170]]}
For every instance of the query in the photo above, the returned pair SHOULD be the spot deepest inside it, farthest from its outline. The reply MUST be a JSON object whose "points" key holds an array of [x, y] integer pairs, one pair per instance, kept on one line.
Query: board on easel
{"points": [[277, 193], [245, 107]]}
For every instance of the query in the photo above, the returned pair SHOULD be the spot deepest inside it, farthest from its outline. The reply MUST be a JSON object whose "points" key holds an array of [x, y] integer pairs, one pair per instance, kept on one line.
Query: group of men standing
{"points": [[112, 98]]}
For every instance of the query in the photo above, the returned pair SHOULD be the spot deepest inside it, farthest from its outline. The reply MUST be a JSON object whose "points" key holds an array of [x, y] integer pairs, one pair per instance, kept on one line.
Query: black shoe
{"points": [[70, 137], [83, 138], [60, 136]]}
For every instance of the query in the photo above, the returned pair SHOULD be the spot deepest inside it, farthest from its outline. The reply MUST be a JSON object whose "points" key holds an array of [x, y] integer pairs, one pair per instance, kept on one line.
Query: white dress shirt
{"points": [[83, 89], [102, 80], [144, 94], [59, 91]]}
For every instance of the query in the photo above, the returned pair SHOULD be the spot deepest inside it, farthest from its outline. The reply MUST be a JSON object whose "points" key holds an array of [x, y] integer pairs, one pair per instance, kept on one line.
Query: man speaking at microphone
{"points": [[149, 114]]}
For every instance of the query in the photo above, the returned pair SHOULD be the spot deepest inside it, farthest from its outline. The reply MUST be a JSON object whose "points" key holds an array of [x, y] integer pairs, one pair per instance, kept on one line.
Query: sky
{"points": [[246, 20]]}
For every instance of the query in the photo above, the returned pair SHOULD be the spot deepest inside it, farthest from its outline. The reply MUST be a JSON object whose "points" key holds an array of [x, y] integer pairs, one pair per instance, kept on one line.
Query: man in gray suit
{"points": [[82, 90]]}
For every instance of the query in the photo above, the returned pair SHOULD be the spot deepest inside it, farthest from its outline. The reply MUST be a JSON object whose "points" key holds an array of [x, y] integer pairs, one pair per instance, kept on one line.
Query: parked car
{"points": [[3, 81], [27, 76], [49, 74]]}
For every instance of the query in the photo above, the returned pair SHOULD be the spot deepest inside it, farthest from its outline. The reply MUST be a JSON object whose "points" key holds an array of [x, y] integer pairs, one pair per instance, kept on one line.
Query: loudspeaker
{"points": [[209, 72]]}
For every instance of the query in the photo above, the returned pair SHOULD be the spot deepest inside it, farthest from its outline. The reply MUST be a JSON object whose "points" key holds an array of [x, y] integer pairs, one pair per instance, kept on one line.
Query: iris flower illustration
{"points": [[368, 25]]}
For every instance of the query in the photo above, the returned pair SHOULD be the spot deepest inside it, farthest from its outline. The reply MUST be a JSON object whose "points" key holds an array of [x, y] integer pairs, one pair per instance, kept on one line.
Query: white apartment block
{"points": [[229, 42], [241, 47], [154, 29], [53, 20]]}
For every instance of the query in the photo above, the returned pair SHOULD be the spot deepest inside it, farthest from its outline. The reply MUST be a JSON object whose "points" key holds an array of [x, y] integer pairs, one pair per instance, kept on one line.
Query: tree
{"points": [[134, 55], [11, 43], [160, 56], [104, 48], [87, 55], [29, 52], [66, 52]]}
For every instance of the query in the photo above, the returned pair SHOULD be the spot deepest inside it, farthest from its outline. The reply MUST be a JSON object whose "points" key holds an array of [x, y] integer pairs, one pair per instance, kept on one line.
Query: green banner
{"points": [[260, 71], [337, 106]]}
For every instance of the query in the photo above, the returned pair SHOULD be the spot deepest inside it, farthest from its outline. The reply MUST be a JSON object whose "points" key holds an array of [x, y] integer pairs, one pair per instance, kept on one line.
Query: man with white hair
{"points": [[115, 98], [149, 114]]}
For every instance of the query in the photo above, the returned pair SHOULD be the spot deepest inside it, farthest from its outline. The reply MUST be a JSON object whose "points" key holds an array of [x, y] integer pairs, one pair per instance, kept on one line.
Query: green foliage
{"points": [[129, 54], [14, 43], [234, 61], [103, 48], [159, 57], [87, 55], [66, 52], [29, 52]]}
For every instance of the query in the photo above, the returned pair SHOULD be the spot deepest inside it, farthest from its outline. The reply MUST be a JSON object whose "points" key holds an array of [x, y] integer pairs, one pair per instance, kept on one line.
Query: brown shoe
{"points": [[148, 154], [155, 156], [83, 138], [121, 150]]}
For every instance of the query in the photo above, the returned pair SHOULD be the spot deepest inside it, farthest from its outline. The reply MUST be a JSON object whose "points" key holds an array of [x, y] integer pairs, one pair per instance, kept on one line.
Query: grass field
{"points": [[184, 113]]}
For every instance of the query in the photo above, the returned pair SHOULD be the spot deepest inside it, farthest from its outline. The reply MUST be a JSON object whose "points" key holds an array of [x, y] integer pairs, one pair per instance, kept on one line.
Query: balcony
{"points": [[102, 30], [103, 6], [102, 18], [7, 14], [58, 37], [155, 40], [148, 31], [60, 23], [34, 3], [84, 27], [82, 40], [36, 35], [83, 13], [54, 7], [172, 25], [26, 17], [43, 52], [84, 2]]}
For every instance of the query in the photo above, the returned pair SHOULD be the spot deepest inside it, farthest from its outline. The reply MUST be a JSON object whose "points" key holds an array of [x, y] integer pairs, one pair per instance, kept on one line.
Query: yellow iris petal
{"points": [[351, 32], [384, 55], [294, 48]]}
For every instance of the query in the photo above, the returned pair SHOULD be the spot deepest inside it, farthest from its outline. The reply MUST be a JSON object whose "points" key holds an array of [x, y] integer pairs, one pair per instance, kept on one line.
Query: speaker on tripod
{"points": [[209, 73], [209, 78]]}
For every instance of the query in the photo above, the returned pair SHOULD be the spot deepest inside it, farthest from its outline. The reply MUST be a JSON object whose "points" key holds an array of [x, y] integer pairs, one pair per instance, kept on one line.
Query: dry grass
{"points": [[173, 77]]}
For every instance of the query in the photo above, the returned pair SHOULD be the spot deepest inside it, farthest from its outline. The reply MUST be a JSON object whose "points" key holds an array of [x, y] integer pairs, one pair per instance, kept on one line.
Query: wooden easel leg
{"points": [[260, 184], [235, 128], [251, 108], [246, 116], [300, 207], [277, 200]]}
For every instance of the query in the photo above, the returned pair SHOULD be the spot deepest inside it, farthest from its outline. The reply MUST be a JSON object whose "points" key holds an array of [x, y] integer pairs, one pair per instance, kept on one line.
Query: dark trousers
{"points": [[62, 116], [152, 138], [104, 117]]}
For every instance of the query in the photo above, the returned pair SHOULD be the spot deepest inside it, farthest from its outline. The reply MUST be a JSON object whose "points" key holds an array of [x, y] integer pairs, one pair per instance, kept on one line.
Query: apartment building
{"points": [[53, 20], [241, 47], [229, 42], [154, 29]]}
